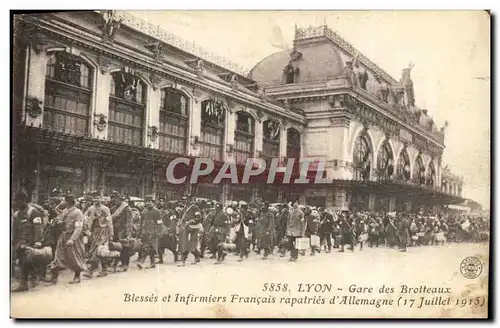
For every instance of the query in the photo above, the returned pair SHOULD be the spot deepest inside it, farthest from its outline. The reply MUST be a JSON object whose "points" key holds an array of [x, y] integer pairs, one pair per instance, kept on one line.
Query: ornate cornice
{"points": [[163, 69]]}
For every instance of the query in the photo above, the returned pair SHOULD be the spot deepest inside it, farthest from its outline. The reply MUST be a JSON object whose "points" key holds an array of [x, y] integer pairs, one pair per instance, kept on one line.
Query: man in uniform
{"points": [[188, 234], [101, 227], [266, 230], [294, 229], [403, 233], [325, 229], [151, 229], [122, 226], [70, 251], [27, 229], [220, 232]]}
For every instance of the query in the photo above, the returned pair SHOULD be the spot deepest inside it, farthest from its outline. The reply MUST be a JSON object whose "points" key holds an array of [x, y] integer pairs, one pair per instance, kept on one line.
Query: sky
{"points": [[450, 51]]}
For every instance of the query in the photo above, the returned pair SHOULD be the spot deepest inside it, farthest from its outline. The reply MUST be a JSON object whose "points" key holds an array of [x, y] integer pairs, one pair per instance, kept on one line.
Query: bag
{"points": [[314, 241], [302, 244], [363, 237], [115, 246]]}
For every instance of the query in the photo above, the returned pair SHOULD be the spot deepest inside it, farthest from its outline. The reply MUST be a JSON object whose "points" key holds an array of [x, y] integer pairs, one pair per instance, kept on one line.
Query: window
{"points": [[126, 108], [244, 137], [385, 162], [419, 174], [403, 170], [173, 121], [361, 159], [292, 143], [271, 140], [67, 94], [213, 118]]}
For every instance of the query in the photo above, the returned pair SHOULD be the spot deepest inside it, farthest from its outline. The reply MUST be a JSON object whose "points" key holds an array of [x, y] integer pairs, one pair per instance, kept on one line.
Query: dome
{"points": [[319, 61]]}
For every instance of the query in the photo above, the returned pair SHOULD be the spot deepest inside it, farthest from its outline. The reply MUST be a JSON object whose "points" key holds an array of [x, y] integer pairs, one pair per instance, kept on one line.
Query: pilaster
{"points": [[35, 93]]}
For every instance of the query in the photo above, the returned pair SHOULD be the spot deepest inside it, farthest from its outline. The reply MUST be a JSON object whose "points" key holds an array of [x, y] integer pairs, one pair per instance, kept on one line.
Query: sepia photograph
{"points": [[250, 164]]}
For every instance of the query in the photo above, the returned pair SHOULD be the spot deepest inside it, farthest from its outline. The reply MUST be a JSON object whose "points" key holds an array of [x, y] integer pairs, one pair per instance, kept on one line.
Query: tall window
{"points": [[419, 174], [244, 137], [174, 108], [385, 162], [361, 158], [126, 108], [213, 117], [292, 143], [431, 175], [403, 169], [68, 92], [271, 140]]}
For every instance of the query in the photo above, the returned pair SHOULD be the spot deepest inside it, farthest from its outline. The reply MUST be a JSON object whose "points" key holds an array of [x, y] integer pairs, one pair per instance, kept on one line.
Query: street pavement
{"points": [[331, 274]]}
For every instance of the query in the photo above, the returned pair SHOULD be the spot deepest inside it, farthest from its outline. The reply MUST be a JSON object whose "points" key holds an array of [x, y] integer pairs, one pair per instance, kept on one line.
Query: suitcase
{"points": [[314, 241], [302, 244]]}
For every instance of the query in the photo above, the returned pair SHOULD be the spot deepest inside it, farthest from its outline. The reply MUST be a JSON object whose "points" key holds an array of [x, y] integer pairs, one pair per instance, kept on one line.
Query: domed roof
{"points": [[319, 61]]}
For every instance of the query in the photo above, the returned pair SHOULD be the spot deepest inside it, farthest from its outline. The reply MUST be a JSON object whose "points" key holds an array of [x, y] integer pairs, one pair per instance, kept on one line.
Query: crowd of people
{"points": [[94, 236]]}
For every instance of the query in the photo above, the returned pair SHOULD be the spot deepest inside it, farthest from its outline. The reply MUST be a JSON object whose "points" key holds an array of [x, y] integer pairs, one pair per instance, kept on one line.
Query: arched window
{"points": [[244, 137], [419, 173], [362, 159], [174, 109], [431, 175], [127, 102], [403, 168], [68, 84], [213, 118], [385, 162], [292, 143], [271, 140]]}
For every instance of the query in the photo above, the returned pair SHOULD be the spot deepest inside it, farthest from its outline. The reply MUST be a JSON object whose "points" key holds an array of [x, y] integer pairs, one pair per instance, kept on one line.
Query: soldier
{"points": [[188, 232], [312, 220], [281, 225], [151, 229], [101, 227], [325, 229], [266, 230], [346, 229], [27, 229], [70, 251], [403, 233], [295, 229], [220, 232], [168, 239], [122, 227], [208, 222]]}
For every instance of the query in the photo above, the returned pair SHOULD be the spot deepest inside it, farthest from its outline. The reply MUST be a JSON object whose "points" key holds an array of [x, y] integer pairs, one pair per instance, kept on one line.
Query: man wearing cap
{"points": [[266, 230], [325, 229], [101, 227], [188, 234], [168, 239], [220, 232], [122, 225], [27, 231], [70, 251], [150, 231], [208, 222]]}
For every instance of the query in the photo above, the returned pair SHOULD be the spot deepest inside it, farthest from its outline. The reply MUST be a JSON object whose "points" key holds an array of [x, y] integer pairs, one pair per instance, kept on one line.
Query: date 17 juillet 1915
{"points": [[301, 288]]}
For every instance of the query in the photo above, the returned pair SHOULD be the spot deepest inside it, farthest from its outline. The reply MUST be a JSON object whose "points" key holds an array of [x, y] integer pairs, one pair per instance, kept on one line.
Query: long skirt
{"points": [[69, 257]]}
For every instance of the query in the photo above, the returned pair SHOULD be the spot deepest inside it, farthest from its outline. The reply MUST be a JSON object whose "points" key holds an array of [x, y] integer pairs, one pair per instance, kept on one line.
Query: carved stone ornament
{"points": [[260, 115], [104, 64], [153, 133], [295, 55], [100, 121], [155, 81], [261, 92], [33, 107], [195, 142], [157, 49], [35, 38], [200, 67], [112, 22], [234, 82], [229, 149]]}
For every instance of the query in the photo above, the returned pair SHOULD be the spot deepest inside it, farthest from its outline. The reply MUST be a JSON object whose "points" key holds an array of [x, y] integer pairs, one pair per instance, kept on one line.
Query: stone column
{"points": [[153, 117], [229, 136], [259, 135], [283, 142], [103, 83], [37, 68], [194, 126]]}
